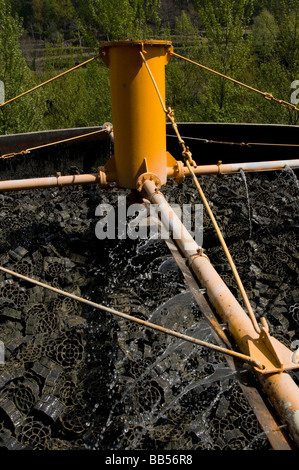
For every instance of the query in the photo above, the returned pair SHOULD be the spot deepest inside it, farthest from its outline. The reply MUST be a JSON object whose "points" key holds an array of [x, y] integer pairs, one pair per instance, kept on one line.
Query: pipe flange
{"points": [[179, 174], [102, 176], [148, 177]]}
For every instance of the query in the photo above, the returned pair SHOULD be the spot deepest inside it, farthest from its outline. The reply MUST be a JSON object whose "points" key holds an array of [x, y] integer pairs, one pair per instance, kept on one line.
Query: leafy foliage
{"points": [[81, 98], [256, 42], [24, 114]]}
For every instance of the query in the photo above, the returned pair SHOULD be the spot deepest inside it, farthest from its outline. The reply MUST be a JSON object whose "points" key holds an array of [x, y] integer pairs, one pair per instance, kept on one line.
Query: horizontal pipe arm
{"points": [[48, 182], [236, 167], [73, 180]]}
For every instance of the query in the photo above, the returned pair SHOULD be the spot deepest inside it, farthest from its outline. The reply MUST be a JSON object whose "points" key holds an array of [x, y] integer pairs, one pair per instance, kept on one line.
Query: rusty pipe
{"points": [[279, 386], [48, 182], [221, 168], [103, 176], [219, 294]]}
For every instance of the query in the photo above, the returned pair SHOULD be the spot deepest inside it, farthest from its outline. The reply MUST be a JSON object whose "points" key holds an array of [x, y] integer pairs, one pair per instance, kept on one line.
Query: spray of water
{"points": [[248, 202]]}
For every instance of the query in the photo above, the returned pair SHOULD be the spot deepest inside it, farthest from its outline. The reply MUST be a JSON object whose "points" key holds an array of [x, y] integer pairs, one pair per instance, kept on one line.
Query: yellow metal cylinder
{"points": [[139, 121]]}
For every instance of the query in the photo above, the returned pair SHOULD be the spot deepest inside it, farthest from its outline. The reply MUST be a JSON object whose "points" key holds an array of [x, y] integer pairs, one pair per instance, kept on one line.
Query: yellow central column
{"points": [[139, 121]]}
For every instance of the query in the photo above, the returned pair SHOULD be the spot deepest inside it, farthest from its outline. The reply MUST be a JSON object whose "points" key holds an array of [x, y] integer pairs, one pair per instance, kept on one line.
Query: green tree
{"points": [[224, 43], [227, 48], [183, 81], [265, 34], [276, 38], [118, 19], [26, 113], [65, 17], [79, 99]]}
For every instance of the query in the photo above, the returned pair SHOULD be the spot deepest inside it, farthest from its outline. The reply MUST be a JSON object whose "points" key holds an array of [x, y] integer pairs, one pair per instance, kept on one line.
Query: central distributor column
{"points": [[139, 121]]}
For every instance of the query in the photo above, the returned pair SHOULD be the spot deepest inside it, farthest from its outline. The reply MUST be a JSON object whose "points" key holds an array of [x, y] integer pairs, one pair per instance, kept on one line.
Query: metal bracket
{"points": [[275, 356], [107, 173]]}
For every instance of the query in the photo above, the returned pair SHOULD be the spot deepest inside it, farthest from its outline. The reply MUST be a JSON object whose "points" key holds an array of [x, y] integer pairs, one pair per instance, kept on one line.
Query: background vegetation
{"points": [[254, 41]]}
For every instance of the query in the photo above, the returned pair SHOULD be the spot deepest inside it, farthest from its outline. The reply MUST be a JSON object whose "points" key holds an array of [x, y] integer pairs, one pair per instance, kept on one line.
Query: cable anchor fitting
{"points": [[187, 155]]}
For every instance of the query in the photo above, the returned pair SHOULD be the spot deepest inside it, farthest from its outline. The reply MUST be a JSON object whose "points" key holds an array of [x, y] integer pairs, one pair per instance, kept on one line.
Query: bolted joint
{"points": [[179, 173], [148, 177]]}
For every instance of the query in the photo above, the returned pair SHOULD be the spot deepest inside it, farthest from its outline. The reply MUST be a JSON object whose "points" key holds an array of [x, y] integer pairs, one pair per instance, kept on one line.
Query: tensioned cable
{"points": [[145, 323], [50, 80], [266, 95], [225, 248], [26, 151], [154, 82], [241, 144], [190, 162]]}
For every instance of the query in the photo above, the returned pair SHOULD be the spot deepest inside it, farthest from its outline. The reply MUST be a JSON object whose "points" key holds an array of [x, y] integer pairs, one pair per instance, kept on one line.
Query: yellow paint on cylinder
{"points": [[139, 121]]}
